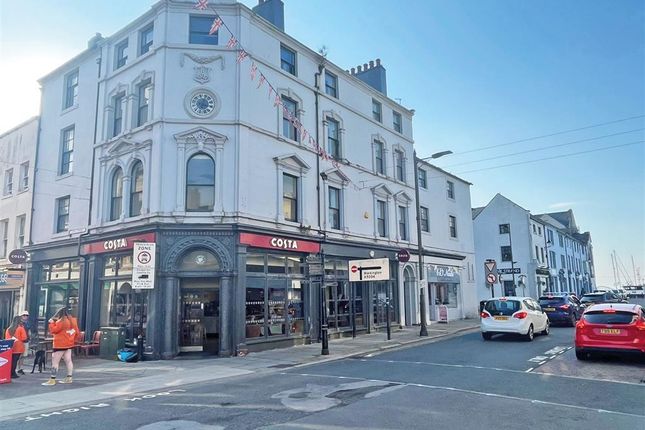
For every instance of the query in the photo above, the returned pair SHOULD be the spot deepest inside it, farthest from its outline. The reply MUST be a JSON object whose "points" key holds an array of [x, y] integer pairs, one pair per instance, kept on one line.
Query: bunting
{"points": [[217, 23], [201, 4]]}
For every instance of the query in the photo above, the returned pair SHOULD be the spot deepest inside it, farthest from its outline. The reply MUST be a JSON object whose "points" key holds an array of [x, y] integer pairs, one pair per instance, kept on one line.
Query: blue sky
{"points": [[479, 73]]}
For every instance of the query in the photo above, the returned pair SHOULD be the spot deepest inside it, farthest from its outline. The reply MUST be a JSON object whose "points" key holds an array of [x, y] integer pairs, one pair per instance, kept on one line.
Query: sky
{"points": [[513, 88]]}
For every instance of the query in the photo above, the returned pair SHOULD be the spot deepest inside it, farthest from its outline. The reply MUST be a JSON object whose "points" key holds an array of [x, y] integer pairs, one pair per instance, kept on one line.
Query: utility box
{"points": [[112, 339]]}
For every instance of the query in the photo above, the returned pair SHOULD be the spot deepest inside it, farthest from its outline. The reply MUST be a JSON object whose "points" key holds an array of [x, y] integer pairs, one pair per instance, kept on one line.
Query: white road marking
{"points": [[529, 370], [538, 358], [556, 350], [488, 394]]}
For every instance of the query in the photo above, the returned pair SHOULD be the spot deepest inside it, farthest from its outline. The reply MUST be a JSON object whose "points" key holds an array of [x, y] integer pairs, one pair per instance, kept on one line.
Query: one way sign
{"points": [[376, 269]]}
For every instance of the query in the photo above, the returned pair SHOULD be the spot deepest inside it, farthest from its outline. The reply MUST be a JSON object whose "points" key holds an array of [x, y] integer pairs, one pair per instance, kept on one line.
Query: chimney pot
{"points": [[378, 61], [371, 64], [365, 66], [353, 71], [358, 68]]}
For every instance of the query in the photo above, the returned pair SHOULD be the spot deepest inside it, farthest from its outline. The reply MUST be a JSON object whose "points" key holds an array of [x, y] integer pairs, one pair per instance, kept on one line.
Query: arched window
{"points": [[136, 189], [200, 183], [116, 195]]}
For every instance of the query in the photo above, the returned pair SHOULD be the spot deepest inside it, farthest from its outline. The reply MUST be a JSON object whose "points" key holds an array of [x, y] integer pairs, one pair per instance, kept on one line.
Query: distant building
{"points": [[17, 152], [547, 250]]}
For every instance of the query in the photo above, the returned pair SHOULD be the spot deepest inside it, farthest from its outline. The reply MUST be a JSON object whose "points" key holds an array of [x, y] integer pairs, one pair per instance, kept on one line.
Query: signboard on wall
{"points": [[375, 269], [443, 313], [280, 243], [143, 267], [117, 244]]}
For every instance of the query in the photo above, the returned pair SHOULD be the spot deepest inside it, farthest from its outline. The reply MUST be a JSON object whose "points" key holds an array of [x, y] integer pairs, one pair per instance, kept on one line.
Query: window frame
{"points": [[450, 190], [66, 164], [333, 143], [201, 35], [424, 219], [133, 190], [190, 185], [337, 210], [4, 240], [116, 195], [379, 162], [331, 90], [8, 182], [403, 222], [452, 225], [399, 165], [377, 114], [120, 54], [117, 106], [144, 47], [21, 221], [141, 90], [286, 124], [504, 228], [422, 178], [23, 183], [397, 126], [70, 95], [381, 204], [506, 253], [292, 69], [293, 200], [60, 215]]}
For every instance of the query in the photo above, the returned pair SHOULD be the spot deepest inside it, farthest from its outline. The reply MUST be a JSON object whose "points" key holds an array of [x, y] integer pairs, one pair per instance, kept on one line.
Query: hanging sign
{"points": [[143, 267]]}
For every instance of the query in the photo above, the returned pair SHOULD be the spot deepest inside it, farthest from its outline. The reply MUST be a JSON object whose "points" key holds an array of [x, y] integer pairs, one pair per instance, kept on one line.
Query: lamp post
{"points": [[422, 302]]}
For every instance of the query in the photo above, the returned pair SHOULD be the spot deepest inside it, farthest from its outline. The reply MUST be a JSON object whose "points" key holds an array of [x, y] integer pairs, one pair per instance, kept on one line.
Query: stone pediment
{"points": [[336, 175], [382, 190], [403, 197], [200, 136], [122, 146], [292, 161]]}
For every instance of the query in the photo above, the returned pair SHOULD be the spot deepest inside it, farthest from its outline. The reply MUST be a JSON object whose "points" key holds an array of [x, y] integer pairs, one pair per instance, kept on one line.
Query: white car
{"points": [[520, 315]]}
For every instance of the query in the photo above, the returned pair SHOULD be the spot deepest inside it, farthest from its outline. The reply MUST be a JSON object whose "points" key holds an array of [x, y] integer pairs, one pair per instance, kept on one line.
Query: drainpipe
{"points": [[99, 62]]}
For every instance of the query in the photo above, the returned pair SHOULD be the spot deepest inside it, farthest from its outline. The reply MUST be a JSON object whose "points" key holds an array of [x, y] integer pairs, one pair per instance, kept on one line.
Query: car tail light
{"points": [[484, 314], [564, 307], [580, 324], [520, 315], [609, 311], [640, 324]]}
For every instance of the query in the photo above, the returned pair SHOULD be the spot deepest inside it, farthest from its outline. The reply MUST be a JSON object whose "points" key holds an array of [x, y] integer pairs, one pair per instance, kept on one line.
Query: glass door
{"points": [[199, 325]]}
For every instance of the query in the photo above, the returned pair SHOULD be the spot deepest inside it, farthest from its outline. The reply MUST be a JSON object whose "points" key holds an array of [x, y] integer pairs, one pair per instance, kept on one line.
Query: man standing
{"points": [[24, 315]]}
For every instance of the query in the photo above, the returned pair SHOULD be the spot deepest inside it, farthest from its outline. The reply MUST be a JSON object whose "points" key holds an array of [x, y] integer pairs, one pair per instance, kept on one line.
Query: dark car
{"points": [[561, 308], [601, 297]]}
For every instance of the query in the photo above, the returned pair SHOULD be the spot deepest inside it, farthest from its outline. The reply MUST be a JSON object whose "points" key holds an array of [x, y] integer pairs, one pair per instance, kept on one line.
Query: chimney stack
{"points": [[272, 11], [373, 74]]}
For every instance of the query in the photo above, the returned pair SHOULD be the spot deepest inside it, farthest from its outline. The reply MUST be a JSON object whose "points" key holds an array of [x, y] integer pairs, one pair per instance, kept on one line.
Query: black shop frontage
{"points": [[217, 291]]}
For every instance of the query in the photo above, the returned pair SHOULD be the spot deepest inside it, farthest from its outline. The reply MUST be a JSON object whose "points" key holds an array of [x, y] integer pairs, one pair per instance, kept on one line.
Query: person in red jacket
{"points": [[65, 330], [16, 332]]}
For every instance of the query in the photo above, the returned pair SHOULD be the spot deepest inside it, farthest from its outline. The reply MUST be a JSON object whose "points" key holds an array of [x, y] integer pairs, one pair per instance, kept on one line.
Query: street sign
{"points": [[491, 271], [17, 256], [515, 271], [403, 256], [375, 269], [143, 269]]}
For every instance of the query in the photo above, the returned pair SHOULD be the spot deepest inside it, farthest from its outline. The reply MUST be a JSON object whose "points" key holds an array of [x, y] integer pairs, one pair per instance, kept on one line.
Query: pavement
{"points": [[96, 380]]}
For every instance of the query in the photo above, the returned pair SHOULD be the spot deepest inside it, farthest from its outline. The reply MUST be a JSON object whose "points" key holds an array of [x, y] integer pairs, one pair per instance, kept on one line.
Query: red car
{"points": [[613, 328]]}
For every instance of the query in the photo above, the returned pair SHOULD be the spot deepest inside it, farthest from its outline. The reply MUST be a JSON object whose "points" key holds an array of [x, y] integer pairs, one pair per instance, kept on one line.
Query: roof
{"points": [[565, 218], [476, 211], [19, 126], [452, 175]]}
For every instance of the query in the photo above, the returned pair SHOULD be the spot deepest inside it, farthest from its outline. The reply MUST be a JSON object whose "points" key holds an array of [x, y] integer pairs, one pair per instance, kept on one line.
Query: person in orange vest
{"points": [[16, 332], [65, 330]]}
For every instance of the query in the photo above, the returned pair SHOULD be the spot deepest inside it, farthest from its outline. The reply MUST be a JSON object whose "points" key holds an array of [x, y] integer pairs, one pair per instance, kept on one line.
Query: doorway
{"points": [[200, 323]]}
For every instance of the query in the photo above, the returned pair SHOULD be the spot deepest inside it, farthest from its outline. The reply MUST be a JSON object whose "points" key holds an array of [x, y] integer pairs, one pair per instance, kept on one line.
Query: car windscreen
{"points": [[599, 317], [502, 307], [551, 301], [594, 298]]}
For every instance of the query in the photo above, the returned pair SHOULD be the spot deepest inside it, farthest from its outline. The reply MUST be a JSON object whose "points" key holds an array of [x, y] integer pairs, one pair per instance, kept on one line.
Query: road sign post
{"points": [[490, 267], [143, 268]]}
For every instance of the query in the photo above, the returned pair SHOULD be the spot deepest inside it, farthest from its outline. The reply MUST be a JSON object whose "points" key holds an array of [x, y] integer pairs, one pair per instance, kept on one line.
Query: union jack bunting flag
{"points": [[241, 56], [253, 70], [201, 4], [305, 133], [261, 80], [277, 101], [231, 42], [217, 23]]}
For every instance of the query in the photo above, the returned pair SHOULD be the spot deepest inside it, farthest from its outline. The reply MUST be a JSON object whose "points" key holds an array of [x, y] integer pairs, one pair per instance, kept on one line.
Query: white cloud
{"points": [[563, 205]]}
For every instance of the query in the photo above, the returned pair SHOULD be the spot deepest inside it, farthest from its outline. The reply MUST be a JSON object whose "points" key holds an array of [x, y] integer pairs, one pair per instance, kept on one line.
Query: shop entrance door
{"points": [[381, 302], [199, 325]]}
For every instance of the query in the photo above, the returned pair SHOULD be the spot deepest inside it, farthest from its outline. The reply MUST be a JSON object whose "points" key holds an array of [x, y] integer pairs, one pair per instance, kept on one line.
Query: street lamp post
{"points": [[422, 301]]}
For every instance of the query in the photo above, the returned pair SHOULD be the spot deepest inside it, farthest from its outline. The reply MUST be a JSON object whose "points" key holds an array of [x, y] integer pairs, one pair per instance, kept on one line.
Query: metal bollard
{"points": [[325, 341]]}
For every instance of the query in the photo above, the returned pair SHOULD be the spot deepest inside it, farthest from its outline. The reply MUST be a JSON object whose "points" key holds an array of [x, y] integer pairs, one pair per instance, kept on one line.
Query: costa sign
{"points": [[17, 256], [278, 242], [117, 244]]}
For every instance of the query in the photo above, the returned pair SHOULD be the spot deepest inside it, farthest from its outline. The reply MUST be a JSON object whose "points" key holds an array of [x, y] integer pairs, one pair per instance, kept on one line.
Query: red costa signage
{"points": [[117, 244], [280, 243]]}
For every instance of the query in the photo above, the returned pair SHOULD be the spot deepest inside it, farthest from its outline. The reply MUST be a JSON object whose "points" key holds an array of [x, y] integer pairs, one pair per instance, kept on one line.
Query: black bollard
{"points": [[325, 341]]}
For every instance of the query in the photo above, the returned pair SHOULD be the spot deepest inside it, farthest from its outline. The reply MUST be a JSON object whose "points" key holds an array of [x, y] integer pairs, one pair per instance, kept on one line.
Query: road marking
{"points": [[556, 350], [538, 358], [529, 370], [488, 394]]}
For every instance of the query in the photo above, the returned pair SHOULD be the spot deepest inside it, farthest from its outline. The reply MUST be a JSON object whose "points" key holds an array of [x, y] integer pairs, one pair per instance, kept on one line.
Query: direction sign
{"points": [[515, 271], [143, 269], [375, 269]]}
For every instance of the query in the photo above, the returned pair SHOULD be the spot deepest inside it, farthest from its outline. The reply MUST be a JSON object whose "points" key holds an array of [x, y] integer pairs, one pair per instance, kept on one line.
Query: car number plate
{"points": [[549, 309], [609, 331], [501, 318]]}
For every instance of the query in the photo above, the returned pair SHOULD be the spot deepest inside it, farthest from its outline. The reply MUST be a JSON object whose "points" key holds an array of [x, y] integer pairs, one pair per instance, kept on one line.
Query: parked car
{"points": [[606, 297], [520, 315], [562, 308], [611, 327], [635, 291], [618, 291]]}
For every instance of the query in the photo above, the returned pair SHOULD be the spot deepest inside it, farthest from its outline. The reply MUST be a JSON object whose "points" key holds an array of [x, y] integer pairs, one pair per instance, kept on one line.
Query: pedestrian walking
{"points": [[24, 316], [16, 332], [65, 330]]}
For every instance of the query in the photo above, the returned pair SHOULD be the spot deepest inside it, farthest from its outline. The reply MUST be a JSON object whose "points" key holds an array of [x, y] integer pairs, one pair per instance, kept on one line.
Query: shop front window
{"points": [[276, 303], [53, 296], [255, 301], [446, 294], [295, 311]]}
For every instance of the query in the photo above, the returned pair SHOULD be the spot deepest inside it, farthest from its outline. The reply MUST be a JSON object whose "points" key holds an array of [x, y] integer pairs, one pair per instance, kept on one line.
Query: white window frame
{"points": [[295, 60], [140, 46], [450, 190], [121, 48], [24, 177], [58, 215], [334, 77], [21, 221], [377, 116], [334, 178], [423, 173], [292, 165], [4, 239], [398, 149], [456, 236], [8, 182], [69, 104], [398, 115], [376, 141], [382, 192], [293, 96], [424, 227]]}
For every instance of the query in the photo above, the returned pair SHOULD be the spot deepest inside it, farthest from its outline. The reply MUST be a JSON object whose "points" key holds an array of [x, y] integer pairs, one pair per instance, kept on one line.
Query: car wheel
{"points": [[546, 329], [530, 334], [487, 336], [580, 355]]}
